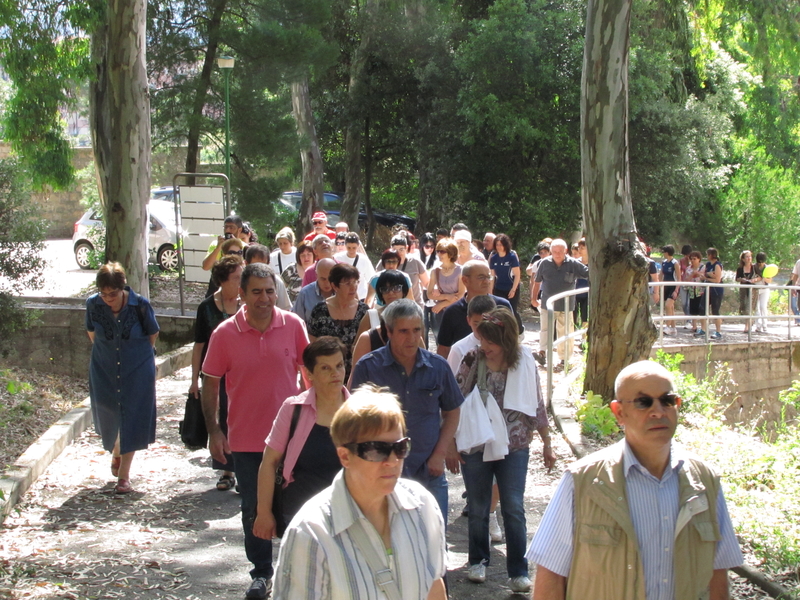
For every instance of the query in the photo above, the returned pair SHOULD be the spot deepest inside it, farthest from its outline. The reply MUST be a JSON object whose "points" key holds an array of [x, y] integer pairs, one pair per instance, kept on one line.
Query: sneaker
{"points": [[716, 335], [673, 330], [540, 357], [688, 326], [477, 573], [495, 533], [520, 584], [699, 333], [259, 588]]}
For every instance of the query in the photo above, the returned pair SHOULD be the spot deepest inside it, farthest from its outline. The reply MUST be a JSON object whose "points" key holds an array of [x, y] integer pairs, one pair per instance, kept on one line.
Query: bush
{"points": [[21, 244]]}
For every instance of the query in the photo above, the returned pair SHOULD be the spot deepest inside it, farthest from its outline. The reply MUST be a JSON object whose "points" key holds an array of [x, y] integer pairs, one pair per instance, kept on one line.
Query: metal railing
{"points": [[661, 318]]}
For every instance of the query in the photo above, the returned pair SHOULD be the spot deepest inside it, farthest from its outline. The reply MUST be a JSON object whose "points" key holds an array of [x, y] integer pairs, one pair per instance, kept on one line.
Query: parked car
{"points": [[332, 205], [161, 239]]}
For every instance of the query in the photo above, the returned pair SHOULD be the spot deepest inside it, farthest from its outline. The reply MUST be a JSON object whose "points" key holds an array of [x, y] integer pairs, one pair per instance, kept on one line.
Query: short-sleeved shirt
{"points": [[280, 261], [365, 270], [331, 233], [260, 371], [454, 325], [796, 270], [413, 267], [429, 389], [502, 265], [552, 546], [668, 269], [306, 300], [556, 279], [319, 559]]}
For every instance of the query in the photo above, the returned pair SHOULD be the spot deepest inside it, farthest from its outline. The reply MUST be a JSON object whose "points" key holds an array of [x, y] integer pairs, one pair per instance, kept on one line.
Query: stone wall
{"points": [[62, 208], [761, 370], [59, 344]]}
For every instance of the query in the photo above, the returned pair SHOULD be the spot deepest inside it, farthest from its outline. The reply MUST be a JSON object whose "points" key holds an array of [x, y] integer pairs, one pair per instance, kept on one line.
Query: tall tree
{"points": [[620, 331], [120, 115], [313, 170]]}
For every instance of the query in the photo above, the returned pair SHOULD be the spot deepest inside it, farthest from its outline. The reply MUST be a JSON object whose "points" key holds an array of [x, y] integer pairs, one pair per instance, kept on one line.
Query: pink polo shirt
{"points": [[260, 372], [279, 436]]}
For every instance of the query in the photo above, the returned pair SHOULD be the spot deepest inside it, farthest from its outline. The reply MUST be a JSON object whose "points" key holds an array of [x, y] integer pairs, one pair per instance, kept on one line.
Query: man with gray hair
{"points": [[557, 273], [322, 246], [315, 292], [428, 392], [639, 519]]}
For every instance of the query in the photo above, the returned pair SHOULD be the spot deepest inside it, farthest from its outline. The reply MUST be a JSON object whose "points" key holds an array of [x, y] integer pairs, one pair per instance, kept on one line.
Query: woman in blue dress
{"points": [[122, 372]]}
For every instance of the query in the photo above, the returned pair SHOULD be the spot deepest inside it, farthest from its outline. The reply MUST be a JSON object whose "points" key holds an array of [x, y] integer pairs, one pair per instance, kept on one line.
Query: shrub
{"points": [[21, 243], [596, 419]]}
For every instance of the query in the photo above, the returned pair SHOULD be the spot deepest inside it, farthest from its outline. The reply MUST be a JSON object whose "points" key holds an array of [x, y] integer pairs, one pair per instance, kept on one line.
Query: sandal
{"points": [[115, 462], [123, 486], [225, 483]]}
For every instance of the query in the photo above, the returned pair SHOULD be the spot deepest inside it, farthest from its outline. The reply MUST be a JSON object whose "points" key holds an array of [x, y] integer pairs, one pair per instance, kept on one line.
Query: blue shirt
{"points": [[427, 390], [504, 278], [648, 497], [306, 300]]}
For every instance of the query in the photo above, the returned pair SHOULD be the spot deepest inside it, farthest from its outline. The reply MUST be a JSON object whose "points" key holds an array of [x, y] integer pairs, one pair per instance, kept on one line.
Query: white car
{"points": [[162, 237]]}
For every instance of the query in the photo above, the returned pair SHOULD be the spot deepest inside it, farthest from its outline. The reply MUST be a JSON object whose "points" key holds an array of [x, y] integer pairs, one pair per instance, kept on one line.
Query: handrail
{"points": [[660, 318]]}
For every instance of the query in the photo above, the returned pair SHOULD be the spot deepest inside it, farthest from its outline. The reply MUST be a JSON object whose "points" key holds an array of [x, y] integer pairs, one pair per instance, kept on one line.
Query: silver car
{"points": [[161, 240]]}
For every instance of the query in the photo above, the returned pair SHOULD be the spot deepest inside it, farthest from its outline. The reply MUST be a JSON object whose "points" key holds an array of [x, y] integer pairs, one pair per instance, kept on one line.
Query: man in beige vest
{"points": [[640, 519]]}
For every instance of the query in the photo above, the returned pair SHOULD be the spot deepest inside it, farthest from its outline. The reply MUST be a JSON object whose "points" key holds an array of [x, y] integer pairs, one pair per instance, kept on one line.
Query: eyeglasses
{"points": [[380, 451], [484, 277], [237, 252], [318, 222], [389, 289], [110, 295], [644, 402]]}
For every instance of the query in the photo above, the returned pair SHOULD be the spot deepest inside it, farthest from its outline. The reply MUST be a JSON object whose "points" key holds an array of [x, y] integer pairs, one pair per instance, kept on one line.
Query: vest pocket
{"points": [[599, 535], [708, 531]]}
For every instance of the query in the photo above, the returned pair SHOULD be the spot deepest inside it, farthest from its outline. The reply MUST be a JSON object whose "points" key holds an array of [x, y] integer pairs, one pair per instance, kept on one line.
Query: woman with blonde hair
{"points": [[284, 256], [445, 286]]}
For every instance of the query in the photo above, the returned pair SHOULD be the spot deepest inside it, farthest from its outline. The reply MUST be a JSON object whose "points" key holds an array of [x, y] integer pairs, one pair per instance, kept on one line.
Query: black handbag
{"points": [[193, 427], [277, 494]]}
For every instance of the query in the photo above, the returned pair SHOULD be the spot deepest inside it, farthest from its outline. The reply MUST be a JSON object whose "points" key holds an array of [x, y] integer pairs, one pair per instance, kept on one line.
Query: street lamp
{"points": [[226, 64]]}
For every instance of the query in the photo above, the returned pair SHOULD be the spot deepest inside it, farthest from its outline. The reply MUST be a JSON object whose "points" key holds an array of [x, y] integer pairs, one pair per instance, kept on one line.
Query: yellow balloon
{"points": [[770, 271]]}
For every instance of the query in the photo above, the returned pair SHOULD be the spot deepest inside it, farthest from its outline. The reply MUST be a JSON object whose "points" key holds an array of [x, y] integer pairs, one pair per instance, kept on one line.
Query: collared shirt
{"points": [[278, 438], [429, 389], [559, 278], [319, 559], [653, 505], [260, 371], [454, 325], [309, 296]]}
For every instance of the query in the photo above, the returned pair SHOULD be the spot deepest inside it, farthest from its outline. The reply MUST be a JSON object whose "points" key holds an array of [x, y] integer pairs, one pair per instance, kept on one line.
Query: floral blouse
{"points": [[520, 426]]}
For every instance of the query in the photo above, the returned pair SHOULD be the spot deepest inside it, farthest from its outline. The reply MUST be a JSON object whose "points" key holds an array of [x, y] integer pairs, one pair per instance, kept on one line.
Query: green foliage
{"points": [[596, 419], [704, 397], [21, 243]]}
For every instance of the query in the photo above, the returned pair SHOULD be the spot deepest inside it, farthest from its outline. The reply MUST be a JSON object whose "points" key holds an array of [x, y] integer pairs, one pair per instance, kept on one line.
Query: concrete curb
{"points": [[35, 460], [571, 431]]}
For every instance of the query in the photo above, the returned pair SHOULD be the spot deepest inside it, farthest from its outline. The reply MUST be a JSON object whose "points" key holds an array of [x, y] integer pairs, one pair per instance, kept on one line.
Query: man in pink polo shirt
{"points": [[259, 351]]}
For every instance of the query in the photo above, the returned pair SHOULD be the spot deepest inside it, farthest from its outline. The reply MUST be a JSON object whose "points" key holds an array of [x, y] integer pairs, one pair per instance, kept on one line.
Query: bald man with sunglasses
{"points": [[641, 519]]}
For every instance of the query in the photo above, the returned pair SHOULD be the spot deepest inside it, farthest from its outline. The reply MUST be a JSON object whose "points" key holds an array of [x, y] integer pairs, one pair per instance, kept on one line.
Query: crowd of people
{"points": [[331, 416]]}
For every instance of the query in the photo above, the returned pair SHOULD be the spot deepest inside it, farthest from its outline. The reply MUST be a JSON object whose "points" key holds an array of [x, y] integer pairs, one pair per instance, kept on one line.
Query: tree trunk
{"points": [[368, 187], [120, 116], [620, 328], [203, 85], [313, 186]]}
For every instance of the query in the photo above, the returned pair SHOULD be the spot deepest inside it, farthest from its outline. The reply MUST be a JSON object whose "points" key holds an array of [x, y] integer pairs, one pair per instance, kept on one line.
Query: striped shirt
{"points": [[319, 560], [653, 506]]}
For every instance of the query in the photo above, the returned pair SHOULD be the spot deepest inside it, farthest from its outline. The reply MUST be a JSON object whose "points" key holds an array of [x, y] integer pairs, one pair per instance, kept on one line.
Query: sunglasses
{"points": [[110, 295], [441, 252], [388, 289], [318, 222], [239, 252], [340, 243], [644, 402], [380, 451]]}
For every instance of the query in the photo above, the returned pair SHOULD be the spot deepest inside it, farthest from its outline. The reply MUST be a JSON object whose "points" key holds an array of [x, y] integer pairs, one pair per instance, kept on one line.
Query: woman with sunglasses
{"points": [[310, 459], [231, 247], [370, 534], [122, 373], [226, 274], [445, 286], [505, 374], [391, 285]]}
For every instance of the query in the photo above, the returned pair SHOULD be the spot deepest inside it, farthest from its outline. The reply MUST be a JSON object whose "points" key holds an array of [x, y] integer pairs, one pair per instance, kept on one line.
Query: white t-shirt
{"points": [[460, 349], [279, 261]]}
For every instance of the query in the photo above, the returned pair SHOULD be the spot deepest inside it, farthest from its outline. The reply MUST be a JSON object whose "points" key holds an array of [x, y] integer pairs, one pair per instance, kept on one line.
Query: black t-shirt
{"points": [[454, 325], [314, 470]]}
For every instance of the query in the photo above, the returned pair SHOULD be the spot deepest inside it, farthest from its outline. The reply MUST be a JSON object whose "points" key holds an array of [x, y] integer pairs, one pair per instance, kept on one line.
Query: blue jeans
{"points": [[259, 552], [437, 486], [510, 473], [795, 310]]}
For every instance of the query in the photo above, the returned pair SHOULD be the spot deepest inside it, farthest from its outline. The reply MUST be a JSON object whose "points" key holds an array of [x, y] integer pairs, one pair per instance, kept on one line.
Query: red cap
{"points": [[319, 216]]}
